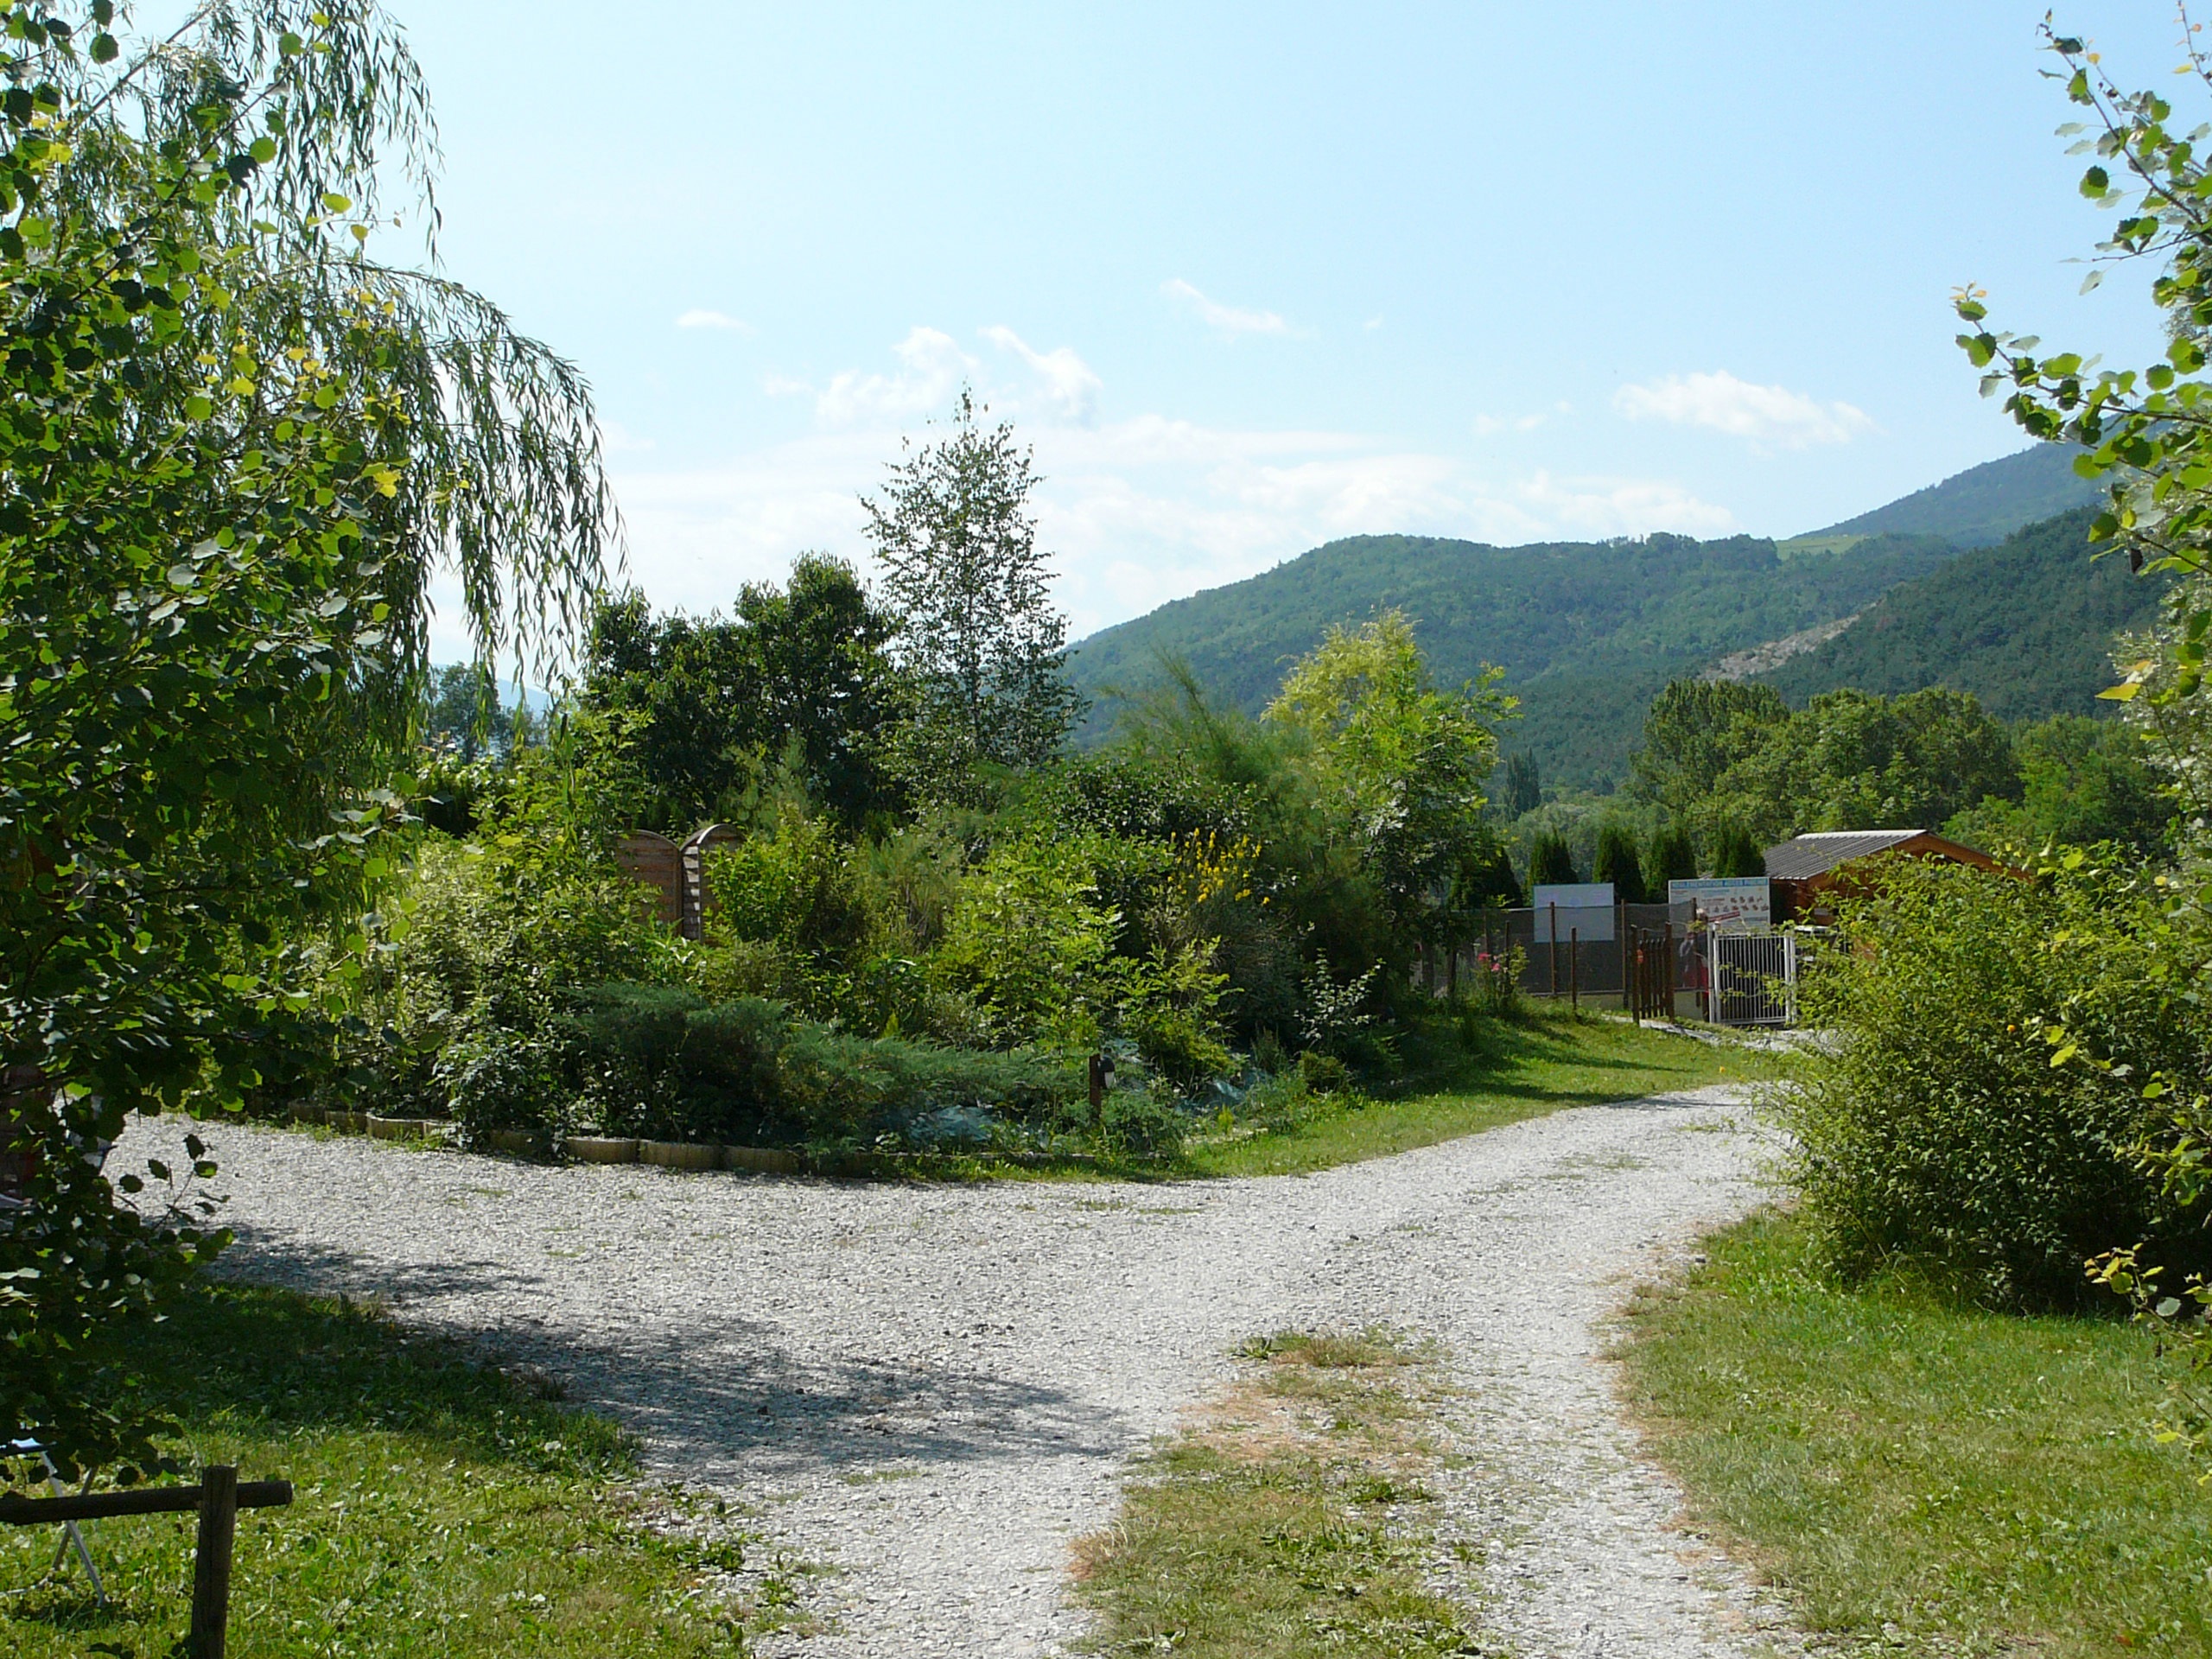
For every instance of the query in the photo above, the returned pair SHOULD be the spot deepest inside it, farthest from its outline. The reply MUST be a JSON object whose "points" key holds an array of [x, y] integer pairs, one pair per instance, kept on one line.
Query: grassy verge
{"points": [[1499, 1072], [442, 1509], [1970, 1482], [1289, 1523]]}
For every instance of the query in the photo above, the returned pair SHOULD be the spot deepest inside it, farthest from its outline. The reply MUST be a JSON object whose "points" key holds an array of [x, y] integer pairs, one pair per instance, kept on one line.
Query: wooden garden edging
{"points": [[218, 1497]]}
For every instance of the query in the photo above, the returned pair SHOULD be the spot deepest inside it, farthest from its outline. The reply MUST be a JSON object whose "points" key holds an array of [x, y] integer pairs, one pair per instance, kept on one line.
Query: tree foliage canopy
{"points": [[800, 674], [1405, 760], [978, 635], [234, 449]]}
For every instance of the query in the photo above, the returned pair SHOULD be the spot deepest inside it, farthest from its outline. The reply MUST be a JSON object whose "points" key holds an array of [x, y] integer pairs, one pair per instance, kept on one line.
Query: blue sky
{"points": [[1250, 277]]}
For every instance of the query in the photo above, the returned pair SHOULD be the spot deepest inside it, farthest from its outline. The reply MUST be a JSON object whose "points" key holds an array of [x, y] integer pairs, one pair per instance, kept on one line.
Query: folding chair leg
{"points": [[71, 1536]]}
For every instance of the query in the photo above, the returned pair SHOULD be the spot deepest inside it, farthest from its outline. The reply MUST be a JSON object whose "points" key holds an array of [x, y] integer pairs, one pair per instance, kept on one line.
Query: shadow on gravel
{"points": [[258, 1258], [715, 1389]]}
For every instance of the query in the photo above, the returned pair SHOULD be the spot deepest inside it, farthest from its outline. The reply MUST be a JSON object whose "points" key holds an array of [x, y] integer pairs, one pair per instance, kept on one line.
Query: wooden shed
{"points": [[1808, 870]]}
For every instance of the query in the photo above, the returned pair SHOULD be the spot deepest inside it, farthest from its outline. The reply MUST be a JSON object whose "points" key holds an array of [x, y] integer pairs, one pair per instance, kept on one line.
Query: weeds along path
{"points": [[933, 1390]]}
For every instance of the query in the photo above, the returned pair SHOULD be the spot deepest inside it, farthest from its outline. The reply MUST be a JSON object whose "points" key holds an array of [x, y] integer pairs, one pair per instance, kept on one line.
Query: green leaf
{"points": [[2096, 182], [104, 50], [2120, 693], [336, 203], [198, 408]]}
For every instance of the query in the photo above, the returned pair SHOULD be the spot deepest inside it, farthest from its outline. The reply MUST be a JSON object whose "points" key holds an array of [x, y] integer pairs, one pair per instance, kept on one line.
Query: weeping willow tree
{"points": [[237, 448]]}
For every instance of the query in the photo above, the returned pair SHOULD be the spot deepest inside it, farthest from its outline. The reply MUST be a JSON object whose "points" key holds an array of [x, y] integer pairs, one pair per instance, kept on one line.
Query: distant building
{"points": [[1808, 870]]}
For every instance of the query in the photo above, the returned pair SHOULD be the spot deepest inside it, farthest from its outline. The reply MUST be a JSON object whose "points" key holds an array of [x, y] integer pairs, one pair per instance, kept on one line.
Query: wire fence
{"points": [[1657, 961]]}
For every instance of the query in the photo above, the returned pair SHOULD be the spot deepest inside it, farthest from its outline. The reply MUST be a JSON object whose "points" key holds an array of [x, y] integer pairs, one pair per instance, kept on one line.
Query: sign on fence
{"points": [[1584, 909], [1733, 904]]}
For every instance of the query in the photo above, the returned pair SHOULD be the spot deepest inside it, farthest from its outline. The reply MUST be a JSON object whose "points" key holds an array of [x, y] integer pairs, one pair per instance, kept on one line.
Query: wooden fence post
{"points": [[1574, 969], [211, 1565]]}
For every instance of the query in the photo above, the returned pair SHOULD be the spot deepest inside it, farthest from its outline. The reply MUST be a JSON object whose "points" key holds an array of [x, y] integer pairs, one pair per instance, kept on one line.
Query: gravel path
{"points": [[936, 1388]]}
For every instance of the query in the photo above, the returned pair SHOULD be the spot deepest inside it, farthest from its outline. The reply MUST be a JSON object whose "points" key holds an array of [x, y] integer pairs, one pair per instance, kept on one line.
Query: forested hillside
{"points": [[2025, 626], [1587, 632], [1982, 504]]}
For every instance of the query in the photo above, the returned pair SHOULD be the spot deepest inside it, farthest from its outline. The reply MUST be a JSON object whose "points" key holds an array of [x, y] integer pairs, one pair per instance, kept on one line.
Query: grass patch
{"points": [[1983, 1483], [1497, 1072], [442, 1509], [1290, 1522]]}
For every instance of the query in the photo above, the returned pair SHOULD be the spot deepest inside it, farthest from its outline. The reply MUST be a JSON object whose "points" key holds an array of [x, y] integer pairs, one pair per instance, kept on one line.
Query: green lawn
{"points": [[1511, 1070], [1984, 1483], [442, 1509]]}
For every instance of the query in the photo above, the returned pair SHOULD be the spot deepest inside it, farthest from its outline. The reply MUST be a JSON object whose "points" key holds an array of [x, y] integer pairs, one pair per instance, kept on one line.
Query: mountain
{"points": [[1982, 504], [2025, 624], [1587, 632]]}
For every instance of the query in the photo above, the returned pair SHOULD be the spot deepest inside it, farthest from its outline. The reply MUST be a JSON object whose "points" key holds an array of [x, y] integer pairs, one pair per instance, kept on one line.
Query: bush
{"points": [[1133, 1123], [1984, 1109], [502, 1080], [794, 888], [1323, 1074], [1025, 944], [660, 1061], [1493, 983], [1167, 1009]]}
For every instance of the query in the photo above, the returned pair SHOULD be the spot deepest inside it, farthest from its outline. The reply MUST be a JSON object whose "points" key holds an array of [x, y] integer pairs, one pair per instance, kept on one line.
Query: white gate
{"points": [[1752, 979]]}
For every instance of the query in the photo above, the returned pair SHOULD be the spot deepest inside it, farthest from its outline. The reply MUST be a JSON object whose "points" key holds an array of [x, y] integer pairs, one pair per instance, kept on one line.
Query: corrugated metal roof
{"points": [[1812, 854]]}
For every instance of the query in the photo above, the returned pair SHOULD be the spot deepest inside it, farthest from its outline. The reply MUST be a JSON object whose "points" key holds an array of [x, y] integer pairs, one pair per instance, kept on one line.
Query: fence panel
{"points": [[1752, 978]]}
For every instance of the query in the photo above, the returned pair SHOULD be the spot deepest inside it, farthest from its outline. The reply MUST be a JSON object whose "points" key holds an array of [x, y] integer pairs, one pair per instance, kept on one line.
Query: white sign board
{"points": [[1583, 911], [1733, 904]]}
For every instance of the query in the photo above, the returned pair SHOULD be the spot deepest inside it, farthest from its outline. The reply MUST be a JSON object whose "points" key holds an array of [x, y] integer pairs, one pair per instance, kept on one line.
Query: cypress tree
{"points": [[1523, 789], [1737, 854], [1617, 863], [1674, 858], [1550, 863]]}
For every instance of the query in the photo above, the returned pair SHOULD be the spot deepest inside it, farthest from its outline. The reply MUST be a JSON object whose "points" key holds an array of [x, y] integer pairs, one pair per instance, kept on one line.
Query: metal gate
{"points": [[1752, 979]]}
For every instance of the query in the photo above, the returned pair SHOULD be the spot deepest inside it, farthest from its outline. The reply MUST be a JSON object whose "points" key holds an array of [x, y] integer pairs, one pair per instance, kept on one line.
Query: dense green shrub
{"points": [[791, 887], [661, 1062], [502, 1080], [1982, 1106], [1134, 1123]]}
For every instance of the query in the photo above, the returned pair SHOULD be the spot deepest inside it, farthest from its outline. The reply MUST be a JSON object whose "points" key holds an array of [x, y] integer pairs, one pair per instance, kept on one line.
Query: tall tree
{"points": [[234, 450], [799, 675], [1695, 731], [1616, 862], [1735, 852], [1522, 790], [1551, 862], [1402, 759], [978, 635], [466, 718], [1674, 858]]}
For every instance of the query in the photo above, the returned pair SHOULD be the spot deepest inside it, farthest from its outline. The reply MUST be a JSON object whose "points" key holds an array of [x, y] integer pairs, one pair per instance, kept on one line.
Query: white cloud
{"points": [[1071, 387], [931, 367], [1136, 512], [1766, 415], [701, 319], [1228, 319], [1612, 506]]}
